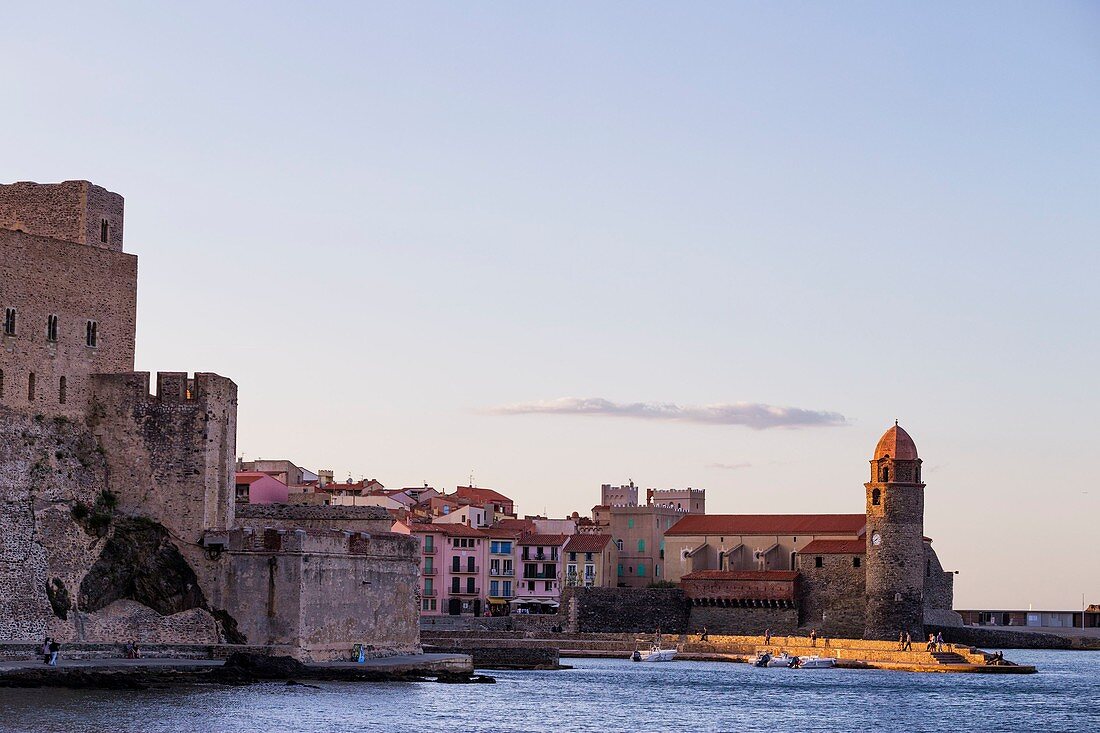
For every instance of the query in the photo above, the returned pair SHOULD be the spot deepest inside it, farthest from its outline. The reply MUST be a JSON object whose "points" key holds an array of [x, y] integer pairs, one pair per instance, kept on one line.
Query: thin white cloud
{"points": [[750, 414]]}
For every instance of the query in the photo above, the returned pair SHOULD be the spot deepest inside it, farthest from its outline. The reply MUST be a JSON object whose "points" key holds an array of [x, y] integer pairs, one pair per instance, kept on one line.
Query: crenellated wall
{"points": [[171, 454]]}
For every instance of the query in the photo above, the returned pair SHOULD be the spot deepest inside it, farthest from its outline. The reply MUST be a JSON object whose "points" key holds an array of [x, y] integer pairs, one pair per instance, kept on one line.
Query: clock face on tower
{"points": [[876, 539]]}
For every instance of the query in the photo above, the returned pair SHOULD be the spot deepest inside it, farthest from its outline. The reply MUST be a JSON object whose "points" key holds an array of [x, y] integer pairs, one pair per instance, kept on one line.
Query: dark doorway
{"points": [[454, 607]]}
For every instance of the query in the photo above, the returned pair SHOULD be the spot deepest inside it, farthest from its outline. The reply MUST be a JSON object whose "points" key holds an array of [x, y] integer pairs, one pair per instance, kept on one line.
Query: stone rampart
{"points": [[626, 609], [287, 516], [319, 591], [170, 454], [1002, 638], [734, 620]]}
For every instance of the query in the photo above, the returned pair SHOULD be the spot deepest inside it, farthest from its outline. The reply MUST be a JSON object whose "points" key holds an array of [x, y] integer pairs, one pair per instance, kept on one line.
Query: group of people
{"points": [[50, 650], [934, 644]]}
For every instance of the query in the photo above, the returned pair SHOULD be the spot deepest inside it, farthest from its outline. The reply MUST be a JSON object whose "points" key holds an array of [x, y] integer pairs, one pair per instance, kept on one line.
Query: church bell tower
{"points": [[895, 539]]}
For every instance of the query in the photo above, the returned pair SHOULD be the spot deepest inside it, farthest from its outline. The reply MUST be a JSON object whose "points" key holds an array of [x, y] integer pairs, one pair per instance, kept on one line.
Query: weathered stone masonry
{"points": [[116, 501]]}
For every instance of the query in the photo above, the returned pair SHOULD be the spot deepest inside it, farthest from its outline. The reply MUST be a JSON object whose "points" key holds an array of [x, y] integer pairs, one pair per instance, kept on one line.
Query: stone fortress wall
{"points": [[109, 490]]}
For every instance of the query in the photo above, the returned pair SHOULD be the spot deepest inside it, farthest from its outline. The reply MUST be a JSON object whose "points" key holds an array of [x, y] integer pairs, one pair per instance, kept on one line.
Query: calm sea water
{"points": [[604, 695]]}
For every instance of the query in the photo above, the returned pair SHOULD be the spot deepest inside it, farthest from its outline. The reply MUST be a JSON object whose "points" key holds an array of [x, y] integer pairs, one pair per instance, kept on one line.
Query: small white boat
{"points": [[655, 654], [816, 662], [766, 659]]}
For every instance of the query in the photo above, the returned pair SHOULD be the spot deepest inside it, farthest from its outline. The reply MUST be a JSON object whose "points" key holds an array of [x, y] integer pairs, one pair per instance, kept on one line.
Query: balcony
{"points": [[429, 571], [540, 576], [505, 573], [428, 593], [429, 550], [466, 569], [466, 592], [502, 595]]}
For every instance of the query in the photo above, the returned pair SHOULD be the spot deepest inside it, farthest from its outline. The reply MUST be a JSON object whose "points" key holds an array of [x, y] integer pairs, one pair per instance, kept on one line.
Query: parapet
{"points": [[72, 211], [314, 542], [172, 387], [312, 512]]}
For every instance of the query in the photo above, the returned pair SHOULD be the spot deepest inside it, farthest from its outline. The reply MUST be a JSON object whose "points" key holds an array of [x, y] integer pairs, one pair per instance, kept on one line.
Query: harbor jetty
{"points": [[851, 653]]}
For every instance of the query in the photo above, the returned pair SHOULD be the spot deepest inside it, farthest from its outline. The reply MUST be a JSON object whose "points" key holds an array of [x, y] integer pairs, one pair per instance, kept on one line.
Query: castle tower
{"points": [[895, 539]]}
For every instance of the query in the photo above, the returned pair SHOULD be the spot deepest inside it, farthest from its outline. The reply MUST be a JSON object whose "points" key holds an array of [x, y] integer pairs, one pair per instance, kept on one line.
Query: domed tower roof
{"points": [[896, 444]]}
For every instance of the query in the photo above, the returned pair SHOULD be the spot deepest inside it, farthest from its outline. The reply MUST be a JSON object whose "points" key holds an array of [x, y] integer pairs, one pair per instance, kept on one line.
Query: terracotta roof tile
{"points": [[546, 540], [761, 575], [756, 524], [587, 543], [835, 547]]}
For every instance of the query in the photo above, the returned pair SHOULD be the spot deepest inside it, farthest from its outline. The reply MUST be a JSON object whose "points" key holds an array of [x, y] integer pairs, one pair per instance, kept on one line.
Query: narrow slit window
{"points": [[30, 388], [51, 328], [1, 384], [91, 334], [876, 497], [104, 230], [61, 389], [9, 321]]}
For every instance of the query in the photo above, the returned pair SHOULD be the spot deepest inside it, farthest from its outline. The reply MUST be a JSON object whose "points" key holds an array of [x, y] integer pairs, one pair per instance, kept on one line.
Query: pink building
{"points": [[540, 557], [453, 568], [254, 487]]}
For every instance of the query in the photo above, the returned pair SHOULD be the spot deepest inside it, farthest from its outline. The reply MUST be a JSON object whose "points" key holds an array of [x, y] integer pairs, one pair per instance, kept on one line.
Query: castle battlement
{"points": [[299, 541]]}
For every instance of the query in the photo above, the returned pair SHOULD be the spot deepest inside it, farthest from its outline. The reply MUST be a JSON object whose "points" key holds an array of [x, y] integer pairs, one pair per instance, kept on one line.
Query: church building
{"points": [[872, 574]]}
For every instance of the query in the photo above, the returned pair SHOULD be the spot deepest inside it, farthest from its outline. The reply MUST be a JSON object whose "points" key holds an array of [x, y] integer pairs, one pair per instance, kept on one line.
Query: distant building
{"points": [[253, 487], [1088, 619], [638, 531], [590, 561], [540, 556]]}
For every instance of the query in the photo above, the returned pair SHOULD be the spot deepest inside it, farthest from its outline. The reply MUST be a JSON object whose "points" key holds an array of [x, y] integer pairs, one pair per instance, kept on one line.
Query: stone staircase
{"points": [[949, 658]]}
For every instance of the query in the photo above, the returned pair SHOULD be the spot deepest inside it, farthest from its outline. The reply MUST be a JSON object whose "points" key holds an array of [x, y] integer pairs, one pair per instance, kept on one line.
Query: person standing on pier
{"points": [[813, 637], [767, 637], [901, 641], [908, 645], [46, 651], [54, 649]]}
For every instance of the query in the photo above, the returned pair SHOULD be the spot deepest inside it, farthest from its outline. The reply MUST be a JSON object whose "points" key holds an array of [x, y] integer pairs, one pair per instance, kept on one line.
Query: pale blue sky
{"points": [[385, 220]]}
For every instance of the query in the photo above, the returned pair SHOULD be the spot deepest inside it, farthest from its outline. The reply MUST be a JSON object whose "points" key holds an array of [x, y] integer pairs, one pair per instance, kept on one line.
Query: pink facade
{"points": [[540, 560], [454, 570], [260, 488]]}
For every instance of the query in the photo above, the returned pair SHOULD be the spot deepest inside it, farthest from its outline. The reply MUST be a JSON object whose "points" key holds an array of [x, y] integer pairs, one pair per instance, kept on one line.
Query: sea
{"points": [[602, 695]]}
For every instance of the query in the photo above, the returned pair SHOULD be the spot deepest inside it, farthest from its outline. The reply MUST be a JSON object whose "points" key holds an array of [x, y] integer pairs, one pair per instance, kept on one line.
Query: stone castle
{"points": [[117, 518]]}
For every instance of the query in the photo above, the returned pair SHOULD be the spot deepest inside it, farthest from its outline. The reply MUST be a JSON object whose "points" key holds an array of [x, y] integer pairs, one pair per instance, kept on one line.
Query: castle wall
{"points": [[172, 454], [43, 277], [72, 211], [738, 621], [323, 591], [833, 599], [289, 516]]}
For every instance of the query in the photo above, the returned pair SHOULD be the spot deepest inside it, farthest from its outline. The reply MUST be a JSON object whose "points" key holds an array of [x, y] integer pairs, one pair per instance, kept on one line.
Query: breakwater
{"points": [[856, 653]]}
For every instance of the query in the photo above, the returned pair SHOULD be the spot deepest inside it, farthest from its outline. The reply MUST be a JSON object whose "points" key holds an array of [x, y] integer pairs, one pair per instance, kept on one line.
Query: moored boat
{"points": [[767, 659], [816, 662], [655, 654]]}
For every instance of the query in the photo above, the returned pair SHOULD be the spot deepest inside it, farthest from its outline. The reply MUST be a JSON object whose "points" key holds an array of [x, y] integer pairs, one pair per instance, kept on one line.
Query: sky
{"points": [[550, 246]]}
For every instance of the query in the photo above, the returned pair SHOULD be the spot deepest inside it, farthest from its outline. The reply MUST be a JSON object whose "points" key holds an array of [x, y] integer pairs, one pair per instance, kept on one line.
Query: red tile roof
{"points": [[896, 443], [757, 524], [587, 543], [451, 530], [520, 525], [546, 540], [473, 492], [761, 575], [835, 547], [247, 477], [502, 532]]}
